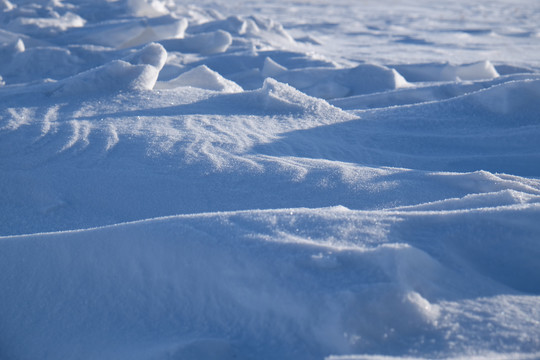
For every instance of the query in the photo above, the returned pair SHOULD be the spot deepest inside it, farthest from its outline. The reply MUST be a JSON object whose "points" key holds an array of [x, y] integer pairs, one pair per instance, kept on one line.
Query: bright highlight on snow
{"points": [[265, 180]]}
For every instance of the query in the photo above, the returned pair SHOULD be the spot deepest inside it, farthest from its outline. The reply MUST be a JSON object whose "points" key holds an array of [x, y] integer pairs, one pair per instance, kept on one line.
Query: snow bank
{"points": [[144, 8], [271, 68], [204, 78], [317, 282], [515, 98], [281, 99], [126, 34], [330, 83], [493, 129], [266, 30], [448, 72], [34, 24], [48, 62], [205, 43], [136, 72], [426, 93], [372, 78]]}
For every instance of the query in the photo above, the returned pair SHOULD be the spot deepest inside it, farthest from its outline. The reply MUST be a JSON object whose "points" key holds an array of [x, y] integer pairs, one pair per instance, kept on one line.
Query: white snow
{"points": [[267, 180], [271, 68], [208, 43], [204, 78], [447, 72], [138, 71]]}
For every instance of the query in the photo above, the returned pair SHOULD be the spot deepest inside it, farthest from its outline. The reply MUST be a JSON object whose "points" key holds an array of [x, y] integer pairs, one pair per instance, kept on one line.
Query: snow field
{"points": [[260, 180]]}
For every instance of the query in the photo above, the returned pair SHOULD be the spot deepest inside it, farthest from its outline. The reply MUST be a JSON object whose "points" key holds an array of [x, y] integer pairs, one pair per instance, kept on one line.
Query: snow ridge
{"points": [[316, 181]]}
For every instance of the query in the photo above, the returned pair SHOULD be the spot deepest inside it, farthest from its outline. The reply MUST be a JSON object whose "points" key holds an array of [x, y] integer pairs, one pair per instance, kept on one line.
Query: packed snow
{"points": [[266, 180]]}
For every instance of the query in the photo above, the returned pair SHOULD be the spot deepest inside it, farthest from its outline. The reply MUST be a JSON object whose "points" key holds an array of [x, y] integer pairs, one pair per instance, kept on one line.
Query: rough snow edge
{"points": [[299, 210], [138, 71]]}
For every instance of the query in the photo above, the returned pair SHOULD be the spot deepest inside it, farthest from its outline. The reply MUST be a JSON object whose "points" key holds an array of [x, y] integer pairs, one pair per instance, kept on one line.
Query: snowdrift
{"points": [[315, 181], [291, 283]]}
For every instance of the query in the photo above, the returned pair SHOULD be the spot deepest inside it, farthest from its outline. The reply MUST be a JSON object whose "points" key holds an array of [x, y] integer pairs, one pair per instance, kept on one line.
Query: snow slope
{"points": [[261, 180], [290, 283]]}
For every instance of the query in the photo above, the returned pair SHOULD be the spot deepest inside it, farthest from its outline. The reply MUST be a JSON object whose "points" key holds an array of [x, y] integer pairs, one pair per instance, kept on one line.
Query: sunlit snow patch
{"points": [[328, 83], [448, 72], [201, 77], [130, 33], [138, 71], [279, 98], [207, 43]]}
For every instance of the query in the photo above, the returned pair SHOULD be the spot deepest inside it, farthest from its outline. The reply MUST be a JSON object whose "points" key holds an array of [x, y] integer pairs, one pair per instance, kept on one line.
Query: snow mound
{"points": [[201, 77], [37, 25], [138, 71], [152, 54], [447, 72], [207, 43], [272, 68], [135, 32], [40, 62], [145, 8], [515, 98], [468, 133], [266, 30], [330, 83], [279, 98], [426, 93], [180, 286], [366, 78], [13, 47]]}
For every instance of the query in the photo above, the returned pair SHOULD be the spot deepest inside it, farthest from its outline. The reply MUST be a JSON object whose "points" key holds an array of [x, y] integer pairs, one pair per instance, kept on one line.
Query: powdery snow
{"points": [[261, 180]]}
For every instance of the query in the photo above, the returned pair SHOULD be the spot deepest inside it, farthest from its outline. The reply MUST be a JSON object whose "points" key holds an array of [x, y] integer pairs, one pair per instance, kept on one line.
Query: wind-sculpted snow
{"points": [[261, 180], [291, 283], [139, 71], [493, 129], [201, 77]]}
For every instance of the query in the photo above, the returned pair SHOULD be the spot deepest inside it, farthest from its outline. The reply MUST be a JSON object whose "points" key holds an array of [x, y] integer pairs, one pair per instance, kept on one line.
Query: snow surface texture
{"points": [[261, 180]]}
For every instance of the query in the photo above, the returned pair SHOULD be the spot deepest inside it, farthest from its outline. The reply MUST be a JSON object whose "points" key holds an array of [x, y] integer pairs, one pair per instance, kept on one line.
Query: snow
{"points": [[266, 180], [139, 71], [204, 78], [207, 43], [447, 72]]}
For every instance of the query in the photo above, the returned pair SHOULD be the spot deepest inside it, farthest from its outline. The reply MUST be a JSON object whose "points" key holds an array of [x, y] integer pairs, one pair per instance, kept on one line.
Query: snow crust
{"points": [[268, 180]]}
